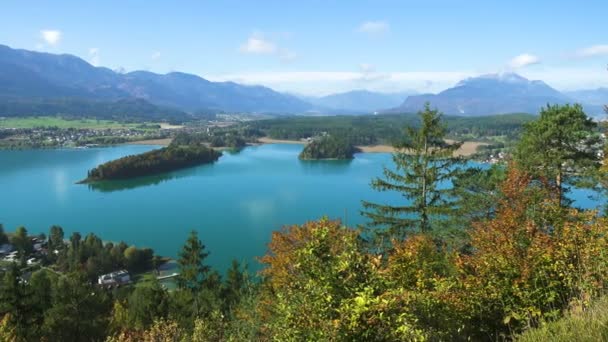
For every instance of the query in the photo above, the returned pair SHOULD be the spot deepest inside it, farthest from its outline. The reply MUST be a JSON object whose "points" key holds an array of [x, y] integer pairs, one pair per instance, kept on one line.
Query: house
{"points": [[115, 278]]}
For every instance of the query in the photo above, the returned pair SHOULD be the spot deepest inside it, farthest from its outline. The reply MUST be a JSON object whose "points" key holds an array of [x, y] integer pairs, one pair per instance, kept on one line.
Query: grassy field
{"points": [[50, 121], [590, 325]]}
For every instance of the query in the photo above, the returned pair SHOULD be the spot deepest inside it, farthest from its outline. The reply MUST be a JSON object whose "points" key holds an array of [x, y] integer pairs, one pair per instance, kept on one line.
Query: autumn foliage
{"points": [[531, 263]]}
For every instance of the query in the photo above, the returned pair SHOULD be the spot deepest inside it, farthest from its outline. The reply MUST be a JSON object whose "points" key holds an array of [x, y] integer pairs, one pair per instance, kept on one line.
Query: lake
{"points": [[234, 204]]}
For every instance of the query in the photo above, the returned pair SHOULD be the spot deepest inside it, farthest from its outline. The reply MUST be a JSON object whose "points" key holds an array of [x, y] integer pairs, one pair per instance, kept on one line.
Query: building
{"points": [[115, 278]]}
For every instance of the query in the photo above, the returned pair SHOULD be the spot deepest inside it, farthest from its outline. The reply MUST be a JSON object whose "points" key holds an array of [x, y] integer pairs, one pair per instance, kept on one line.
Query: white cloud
{"points": [[368, 73], [367, 77], [155, 55], [94, 56], [523, 60], [51, 37], [374, 27], [257, 44], [593, 51]]}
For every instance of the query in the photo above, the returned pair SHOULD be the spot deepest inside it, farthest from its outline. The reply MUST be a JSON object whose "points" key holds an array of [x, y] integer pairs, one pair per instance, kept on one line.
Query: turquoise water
{"points": [[234, 204]]}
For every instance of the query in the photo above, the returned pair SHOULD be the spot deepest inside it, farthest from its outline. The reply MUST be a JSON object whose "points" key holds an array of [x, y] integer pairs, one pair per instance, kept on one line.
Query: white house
{"points": [[115, 278]]}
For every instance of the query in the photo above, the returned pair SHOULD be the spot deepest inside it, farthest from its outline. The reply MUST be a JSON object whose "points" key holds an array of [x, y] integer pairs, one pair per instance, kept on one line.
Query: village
{"points": [[31, 253]]}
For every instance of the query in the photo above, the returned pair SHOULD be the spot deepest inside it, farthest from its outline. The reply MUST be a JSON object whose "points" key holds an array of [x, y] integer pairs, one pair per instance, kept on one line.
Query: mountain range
{"points": [[498, 94], [37, 83], [42, 75]]}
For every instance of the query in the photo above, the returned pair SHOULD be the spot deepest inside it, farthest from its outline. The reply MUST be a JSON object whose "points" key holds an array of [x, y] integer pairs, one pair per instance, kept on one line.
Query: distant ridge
{"points": [[489, 94], [25, 74], [37, 82], [358, 101]]}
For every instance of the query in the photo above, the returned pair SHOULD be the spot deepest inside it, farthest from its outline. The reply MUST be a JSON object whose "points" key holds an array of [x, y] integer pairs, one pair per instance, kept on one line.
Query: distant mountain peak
{"points": [[498, 93], [504, 77]]}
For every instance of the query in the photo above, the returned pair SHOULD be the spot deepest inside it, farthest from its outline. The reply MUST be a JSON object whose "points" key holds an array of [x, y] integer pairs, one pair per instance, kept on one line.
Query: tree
{"points": [[138, 259], [234, 286], [56, 245], [22, 243], [147, 303], [319, 285], [3, 237], [13, 293], [424, 162], [80, 311], [192, 270], [560, 145], [477, 191], [532, 261], [74, 252], [39, 299]]}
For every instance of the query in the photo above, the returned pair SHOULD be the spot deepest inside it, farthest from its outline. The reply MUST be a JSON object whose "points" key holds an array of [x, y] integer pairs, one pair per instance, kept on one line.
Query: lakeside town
{"points": [[31, 253]]}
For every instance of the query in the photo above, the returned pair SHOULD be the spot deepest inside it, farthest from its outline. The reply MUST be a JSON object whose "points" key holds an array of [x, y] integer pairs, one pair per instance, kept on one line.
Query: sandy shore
{"points": [[468, 148], [266, 140], [162, 142]]}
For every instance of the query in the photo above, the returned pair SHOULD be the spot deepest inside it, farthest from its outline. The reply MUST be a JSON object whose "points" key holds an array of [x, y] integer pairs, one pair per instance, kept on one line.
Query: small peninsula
{"points": [[328, 147], [170, 158]]}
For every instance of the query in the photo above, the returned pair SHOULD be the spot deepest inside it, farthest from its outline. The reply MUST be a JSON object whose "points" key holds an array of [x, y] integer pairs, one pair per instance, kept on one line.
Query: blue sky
{"points": [[319, 47]]}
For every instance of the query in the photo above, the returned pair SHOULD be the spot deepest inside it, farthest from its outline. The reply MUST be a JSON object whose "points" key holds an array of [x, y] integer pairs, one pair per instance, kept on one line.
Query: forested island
{"points": [[170, 158], [328, 147]]}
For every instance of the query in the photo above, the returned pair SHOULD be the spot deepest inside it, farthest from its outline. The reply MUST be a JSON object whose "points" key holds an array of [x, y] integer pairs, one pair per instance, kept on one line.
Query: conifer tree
{"points": [[424, 164], [560, 146], [192, 270], [3, 236]]}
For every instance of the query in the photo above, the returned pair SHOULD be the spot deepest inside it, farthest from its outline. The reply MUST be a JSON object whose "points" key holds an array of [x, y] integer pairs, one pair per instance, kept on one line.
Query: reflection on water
{"points": [[325, 166], [129, 184]]}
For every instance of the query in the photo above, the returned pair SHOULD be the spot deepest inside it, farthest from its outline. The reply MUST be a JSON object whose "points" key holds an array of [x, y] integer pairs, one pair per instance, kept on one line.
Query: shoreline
{"points": [[468, 148]]}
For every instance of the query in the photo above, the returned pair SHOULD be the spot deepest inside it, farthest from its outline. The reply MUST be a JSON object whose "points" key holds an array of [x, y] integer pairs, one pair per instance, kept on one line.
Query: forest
{"points": [[328, 147], [501, 255], [173, 157], [127, 110], [386, 129]]}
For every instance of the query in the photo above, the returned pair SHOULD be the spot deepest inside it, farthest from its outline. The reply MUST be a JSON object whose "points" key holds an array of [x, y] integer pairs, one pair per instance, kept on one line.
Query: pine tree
{"points": [[234, 286], [424, 163], [560, 146], [192, 270], [3, 236]]}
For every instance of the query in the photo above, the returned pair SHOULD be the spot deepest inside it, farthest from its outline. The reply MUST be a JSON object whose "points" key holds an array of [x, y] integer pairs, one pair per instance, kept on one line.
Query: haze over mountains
{"points": [[35, 83], [360, 101], [33, 74], [497, 94]]}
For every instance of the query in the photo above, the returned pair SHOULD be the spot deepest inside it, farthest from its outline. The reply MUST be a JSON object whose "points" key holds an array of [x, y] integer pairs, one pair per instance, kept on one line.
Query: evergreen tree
{"points": [[192, 270], [560, 146], [57, 244], [3, 237], [74, 252], [12, 302], [424, 162], [39, 299], [234, 286], [146, 303], [477, 191], [80, 311], [22, 243]]}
